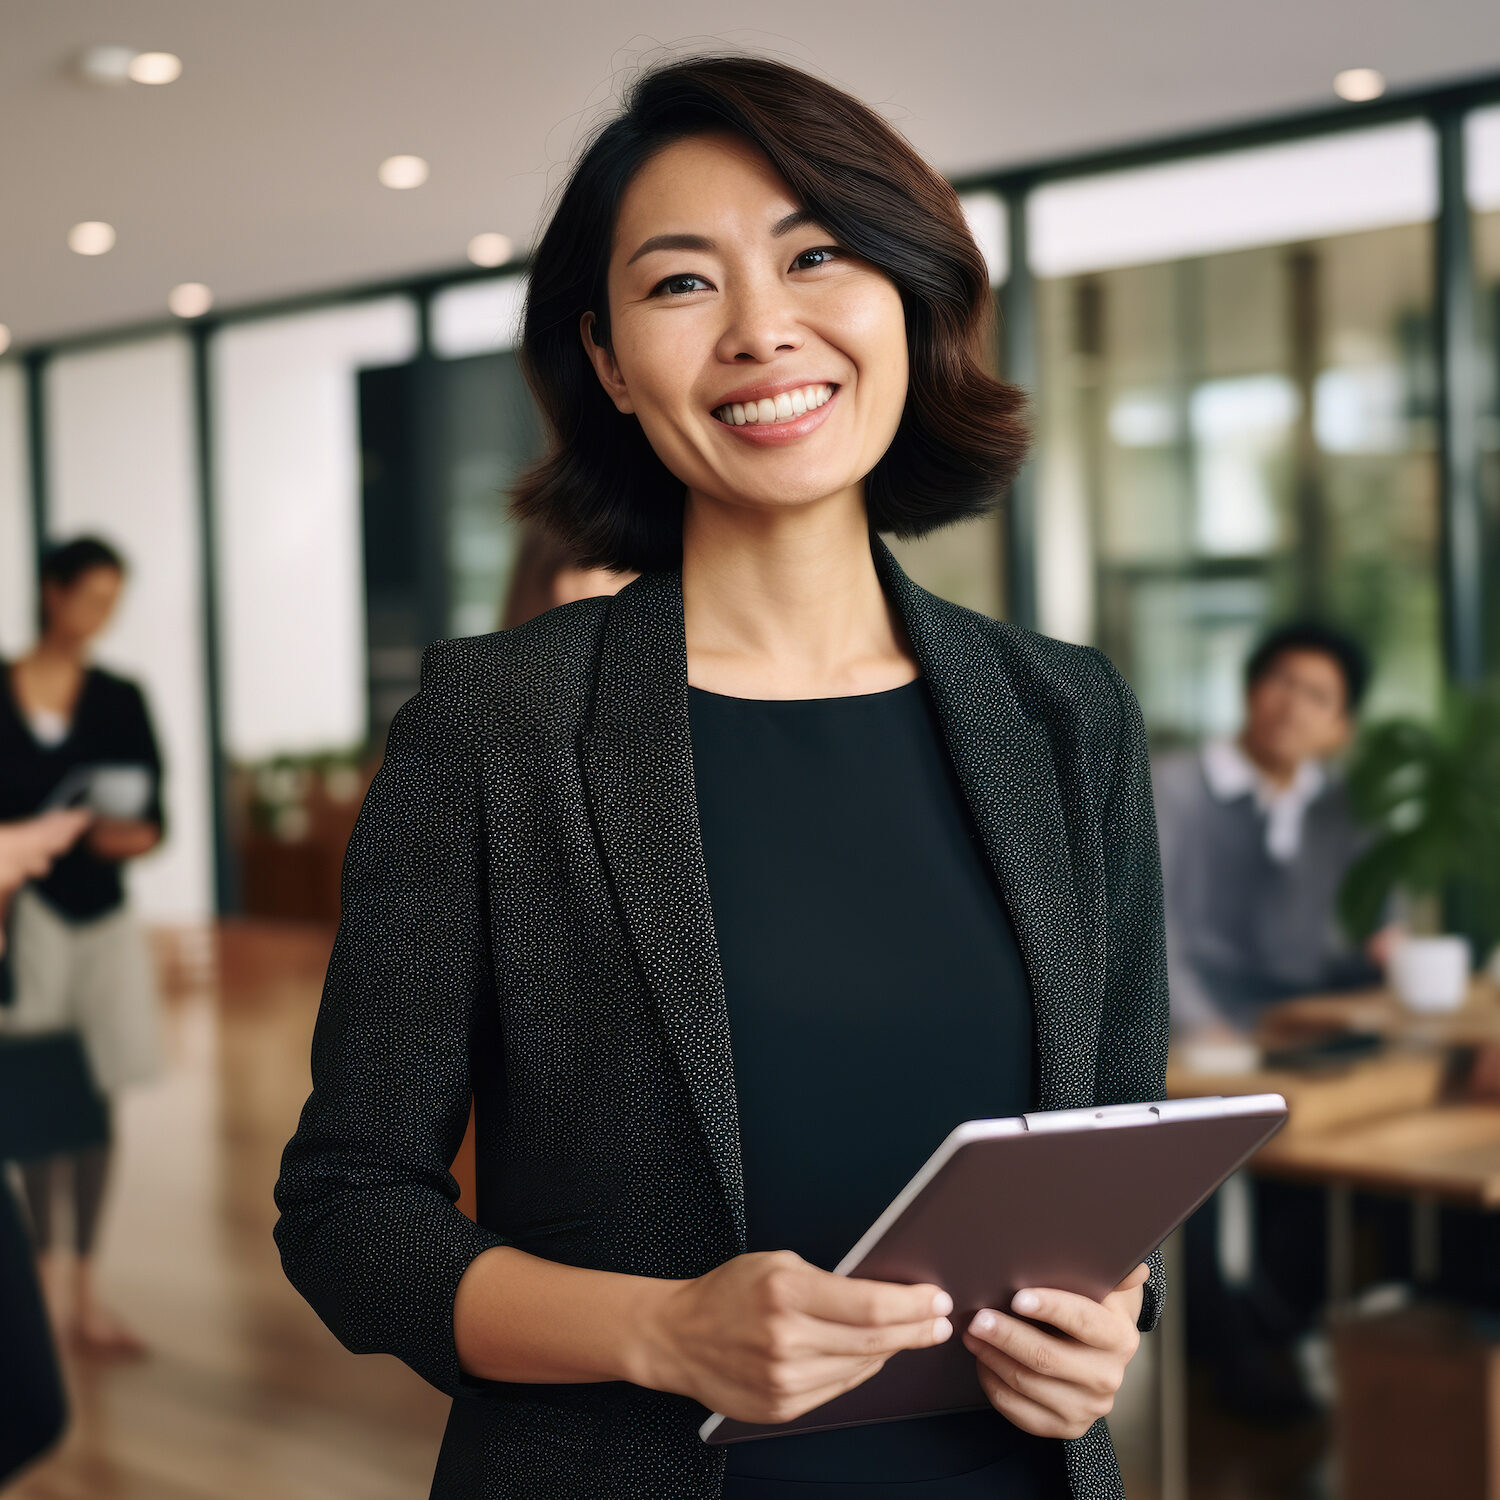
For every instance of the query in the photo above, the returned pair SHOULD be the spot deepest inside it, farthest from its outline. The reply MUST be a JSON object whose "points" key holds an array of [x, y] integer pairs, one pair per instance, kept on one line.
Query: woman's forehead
{"points": [[721, 185]]}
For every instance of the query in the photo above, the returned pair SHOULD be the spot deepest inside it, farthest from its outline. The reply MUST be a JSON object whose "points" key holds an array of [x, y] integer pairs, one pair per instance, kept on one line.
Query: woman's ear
{"points": [[603, 360]]}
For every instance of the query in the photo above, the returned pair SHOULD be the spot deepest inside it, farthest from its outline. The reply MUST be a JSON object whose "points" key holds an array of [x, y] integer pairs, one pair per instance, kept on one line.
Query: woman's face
{"points": [[754, 301], [77, 611]]}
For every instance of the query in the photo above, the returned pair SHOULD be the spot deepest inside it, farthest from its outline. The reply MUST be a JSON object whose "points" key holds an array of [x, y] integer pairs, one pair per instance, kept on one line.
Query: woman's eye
{"points": [[661, 287], [821, 250], [682, 276]]}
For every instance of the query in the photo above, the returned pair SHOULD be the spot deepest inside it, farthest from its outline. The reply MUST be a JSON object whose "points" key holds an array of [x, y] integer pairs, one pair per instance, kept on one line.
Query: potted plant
{"points": [[1430, 794]]}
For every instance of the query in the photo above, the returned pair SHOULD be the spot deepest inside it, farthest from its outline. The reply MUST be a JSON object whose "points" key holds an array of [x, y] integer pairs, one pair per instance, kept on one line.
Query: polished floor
{"points": [[246, 1396]]}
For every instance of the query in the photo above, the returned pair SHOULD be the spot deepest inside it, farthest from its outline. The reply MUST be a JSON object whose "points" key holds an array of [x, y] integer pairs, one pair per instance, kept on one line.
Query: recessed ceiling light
{"points": [[4, 338], [92, 237], [190, 300], [1359, 85], [155, 67], [403, 171], [490, 249]]}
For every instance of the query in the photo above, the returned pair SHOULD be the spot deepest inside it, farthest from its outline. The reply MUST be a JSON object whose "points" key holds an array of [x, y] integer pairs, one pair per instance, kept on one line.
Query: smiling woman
{"points": [[727, 896], [735, 192]]}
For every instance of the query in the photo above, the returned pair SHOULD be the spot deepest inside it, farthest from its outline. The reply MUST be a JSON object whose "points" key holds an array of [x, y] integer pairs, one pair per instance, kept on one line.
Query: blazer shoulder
{"points": [[1060, 678], [543, 663]]}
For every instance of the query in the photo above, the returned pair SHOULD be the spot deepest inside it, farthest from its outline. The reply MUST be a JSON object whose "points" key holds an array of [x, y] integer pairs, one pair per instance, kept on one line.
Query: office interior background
{"points": [[1247, 260]]}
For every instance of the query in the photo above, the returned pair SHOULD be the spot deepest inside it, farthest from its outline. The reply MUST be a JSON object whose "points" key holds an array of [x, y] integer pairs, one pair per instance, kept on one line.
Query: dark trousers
{"points": [[33, 1408]]}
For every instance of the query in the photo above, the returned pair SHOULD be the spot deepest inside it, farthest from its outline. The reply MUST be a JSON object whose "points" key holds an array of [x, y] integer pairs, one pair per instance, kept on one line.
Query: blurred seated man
{"points": [[1256, 835]]}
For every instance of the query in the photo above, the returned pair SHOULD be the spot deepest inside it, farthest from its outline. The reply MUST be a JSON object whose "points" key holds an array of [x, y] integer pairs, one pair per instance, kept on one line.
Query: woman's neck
{"points": [[788, 604]]}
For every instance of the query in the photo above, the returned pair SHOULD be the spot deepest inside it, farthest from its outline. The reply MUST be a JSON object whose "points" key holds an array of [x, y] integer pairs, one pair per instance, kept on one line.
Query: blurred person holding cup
{"points": [[72, 733]]}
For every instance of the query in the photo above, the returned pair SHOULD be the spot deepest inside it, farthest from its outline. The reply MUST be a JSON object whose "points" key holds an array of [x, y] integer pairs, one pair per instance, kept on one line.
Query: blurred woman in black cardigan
{"points": [[527, 915]]}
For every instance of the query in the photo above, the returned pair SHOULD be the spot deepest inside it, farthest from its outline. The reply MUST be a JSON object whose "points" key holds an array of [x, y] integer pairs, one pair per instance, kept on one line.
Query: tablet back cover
{"points": [[1075, 1209]]}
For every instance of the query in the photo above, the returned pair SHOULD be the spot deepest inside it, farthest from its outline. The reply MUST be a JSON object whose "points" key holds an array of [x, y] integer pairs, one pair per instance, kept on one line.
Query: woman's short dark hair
{"points": [[1311, 635], [64, 563], [963, 433], [67, 562]]}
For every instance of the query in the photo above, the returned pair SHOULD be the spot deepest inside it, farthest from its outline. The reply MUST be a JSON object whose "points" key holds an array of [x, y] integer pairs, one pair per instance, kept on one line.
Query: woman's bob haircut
{"points": [[963, 434]]}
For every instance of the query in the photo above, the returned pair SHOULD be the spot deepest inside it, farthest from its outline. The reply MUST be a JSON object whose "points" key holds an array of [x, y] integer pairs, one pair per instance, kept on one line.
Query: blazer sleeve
{"points": [[369, 1230], [1135, 1024]]}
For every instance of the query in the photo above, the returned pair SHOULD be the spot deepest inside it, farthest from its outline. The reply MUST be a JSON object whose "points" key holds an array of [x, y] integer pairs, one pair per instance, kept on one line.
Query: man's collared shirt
{"points": [[1230, 773]]}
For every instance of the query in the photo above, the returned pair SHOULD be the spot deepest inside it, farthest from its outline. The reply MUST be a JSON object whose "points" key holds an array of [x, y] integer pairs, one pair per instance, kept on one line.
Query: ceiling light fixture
{"points": [[92, 237], [108, 64], [403, 171], [1359, 85], [4, 338], [190, 300], [155, 67], [490, 249]]}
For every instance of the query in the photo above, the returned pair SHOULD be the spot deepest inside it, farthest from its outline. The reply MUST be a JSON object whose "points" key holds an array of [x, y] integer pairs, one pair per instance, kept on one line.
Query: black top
{"points": [[877, 998], [111, 726]]}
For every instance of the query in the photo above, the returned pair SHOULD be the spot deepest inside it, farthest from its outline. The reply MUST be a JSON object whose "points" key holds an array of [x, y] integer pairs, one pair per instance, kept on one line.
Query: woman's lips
{"points": [[773, 434]]}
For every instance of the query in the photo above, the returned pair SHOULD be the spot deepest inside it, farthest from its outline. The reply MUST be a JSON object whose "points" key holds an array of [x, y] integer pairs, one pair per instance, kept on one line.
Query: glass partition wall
{"points": [[1235, 438], [1233, 352], [1483, 192]]}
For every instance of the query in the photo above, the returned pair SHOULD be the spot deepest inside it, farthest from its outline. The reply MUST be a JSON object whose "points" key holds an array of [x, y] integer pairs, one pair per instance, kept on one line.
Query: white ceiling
{"points": [[255, 172]]}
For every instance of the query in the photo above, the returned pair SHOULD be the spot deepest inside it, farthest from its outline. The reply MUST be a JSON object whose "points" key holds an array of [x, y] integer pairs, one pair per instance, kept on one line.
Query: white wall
{"points": [[289, 531], [121, 457], [17, 552]]}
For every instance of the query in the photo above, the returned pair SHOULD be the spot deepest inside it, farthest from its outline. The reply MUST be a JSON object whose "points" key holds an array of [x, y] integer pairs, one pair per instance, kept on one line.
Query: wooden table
{"points": [[1385, 1123], [1379, 1011]]}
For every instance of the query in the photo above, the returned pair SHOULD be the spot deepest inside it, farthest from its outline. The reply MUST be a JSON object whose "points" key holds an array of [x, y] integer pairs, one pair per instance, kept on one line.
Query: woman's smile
{"points": [[784, 418]]}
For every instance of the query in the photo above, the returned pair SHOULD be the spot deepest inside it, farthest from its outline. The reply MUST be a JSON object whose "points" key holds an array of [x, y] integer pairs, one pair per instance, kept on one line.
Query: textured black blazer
{"points": [[526, 917]]}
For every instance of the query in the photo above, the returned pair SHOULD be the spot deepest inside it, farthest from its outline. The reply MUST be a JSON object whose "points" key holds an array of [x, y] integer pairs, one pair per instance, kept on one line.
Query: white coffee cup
{"points": [[1431, 973], [120, 791]]}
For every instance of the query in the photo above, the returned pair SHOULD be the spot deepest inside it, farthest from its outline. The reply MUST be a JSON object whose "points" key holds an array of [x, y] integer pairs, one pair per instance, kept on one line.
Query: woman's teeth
{"points": [[780, 408]]}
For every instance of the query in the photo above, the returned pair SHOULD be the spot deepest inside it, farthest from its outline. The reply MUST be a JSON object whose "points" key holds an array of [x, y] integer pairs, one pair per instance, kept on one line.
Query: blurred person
{"points": [[1256, 837], [79, 958], [33, 1404], [903, 854], [546, 575]]}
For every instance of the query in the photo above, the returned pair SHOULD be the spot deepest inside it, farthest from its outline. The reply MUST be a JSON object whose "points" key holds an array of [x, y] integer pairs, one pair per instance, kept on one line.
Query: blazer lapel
{"points": [[638, 769], [1003, 757]]}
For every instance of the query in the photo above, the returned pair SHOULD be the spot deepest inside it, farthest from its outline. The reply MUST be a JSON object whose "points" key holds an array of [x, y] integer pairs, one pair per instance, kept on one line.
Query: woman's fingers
{"points": [[1093, 1382], [866, 1303], [1098, 1324], [825, 1337], [1027, 1414]]}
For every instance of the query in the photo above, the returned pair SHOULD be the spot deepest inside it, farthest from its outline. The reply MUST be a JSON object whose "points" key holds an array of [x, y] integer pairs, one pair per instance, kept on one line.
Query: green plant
{"points": [[1430, 792]]}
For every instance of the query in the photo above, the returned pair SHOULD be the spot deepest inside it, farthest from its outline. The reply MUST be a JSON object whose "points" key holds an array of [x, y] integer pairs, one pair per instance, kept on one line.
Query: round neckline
{"points": [[838, 698]]}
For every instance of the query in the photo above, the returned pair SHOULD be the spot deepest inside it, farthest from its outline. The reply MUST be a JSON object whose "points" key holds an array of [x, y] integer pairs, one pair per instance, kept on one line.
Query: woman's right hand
{"points": [[28, 848], [766, 1336]]}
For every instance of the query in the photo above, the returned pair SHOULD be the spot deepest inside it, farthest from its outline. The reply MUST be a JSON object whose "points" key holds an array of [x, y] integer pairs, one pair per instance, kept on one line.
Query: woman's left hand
{"points": [[1058, 1384]]}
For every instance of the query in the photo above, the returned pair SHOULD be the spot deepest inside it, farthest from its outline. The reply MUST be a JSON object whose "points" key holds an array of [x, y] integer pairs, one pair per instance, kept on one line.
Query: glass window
{"points": [[17, 551], [1484, 201], [1236, 415], [122, 465], [478, 317]]}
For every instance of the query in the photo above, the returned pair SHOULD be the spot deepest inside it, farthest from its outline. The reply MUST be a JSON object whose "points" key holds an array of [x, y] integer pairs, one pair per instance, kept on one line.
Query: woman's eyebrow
{"points": [[784, 225]]}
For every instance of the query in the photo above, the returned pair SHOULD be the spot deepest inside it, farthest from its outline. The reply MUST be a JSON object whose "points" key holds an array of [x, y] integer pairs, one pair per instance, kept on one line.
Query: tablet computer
{"points": [[1071, 1198]]}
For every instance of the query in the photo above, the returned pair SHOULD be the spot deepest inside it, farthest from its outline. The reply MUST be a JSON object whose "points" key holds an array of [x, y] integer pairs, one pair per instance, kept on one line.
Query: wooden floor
{"points": [[246, 1395]]}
